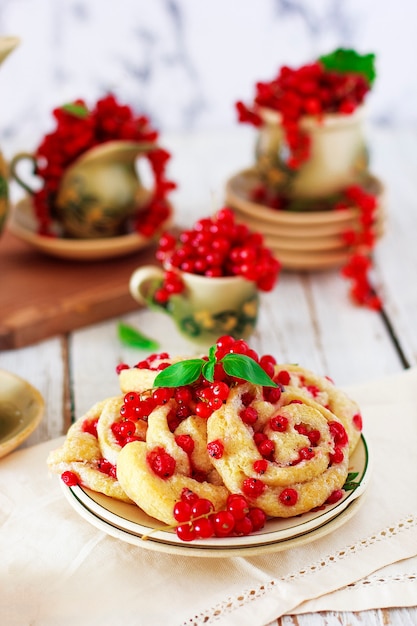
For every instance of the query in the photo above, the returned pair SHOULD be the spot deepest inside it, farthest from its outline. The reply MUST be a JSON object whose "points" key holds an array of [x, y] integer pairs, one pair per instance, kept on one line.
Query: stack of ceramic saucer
{"points": [[301, 240]]}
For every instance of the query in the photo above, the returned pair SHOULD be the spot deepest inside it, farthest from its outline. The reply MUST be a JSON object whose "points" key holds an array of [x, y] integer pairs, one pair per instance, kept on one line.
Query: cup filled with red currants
{"points": [[208, 278]]}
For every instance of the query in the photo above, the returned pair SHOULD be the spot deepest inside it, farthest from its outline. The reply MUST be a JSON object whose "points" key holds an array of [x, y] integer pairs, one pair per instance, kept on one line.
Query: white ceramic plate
{"points": [[21, 410], [23, 225], [128, 523]]}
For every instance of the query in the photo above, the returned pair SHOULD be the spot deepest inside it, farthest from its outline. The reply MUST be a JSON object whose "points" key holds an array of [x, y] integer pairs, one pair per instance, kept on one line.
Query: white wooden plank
{"points": [[396, 254]]}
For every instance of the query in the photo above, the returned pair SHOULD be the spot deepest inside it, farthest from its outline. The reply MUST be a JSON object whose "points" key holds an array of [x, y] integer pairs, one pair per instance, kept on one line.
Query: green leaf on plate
{"points": [[131, 337], [242, 366], [179, 374], [78, 110], [350, 483], [349, 61]]}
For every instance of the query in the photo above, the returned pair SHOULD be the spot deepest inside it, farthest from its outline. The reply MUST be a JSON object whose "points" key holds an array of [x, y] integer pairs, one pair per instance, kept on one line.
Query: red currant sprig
{"points": [[197, 518], [359, 264]]}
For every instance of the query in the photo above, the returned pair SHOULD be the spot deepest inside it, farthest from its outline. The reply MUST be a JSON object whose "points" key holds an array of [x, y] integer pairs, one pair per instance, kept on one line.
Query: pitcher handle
{"points": [[142, 280], [13, 169]]}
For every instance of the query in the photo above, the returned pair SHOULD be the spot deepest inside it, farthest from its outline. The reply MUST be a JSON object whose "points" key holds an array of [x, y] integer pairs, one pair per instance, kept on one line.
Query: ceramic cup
{"points": [[338, 154], [207, 308]]}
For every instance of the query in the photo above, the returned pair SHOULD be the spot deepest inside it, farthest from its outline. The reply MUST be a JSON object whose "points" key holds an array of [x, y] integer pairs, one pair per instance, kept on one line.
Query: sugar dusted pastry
{"points": [[80, 459], [324, 391], [288, 461], [215, 445]]}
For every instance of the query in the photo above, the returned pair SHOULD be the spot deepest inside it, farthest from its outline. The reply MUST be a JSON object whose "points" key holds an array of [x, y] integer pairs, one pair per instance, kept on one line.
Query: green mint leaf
{"points": [[351, 476], [131, 337], [208, 371], [179, 374], [242, 366], [349, 61], [78, 110], [350, 486]]}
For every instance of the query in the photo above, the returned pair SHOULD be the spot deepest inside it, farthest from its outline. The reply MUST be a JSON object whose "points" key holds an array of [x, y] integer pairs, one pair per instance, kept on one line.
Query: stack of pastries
{"points": [[283, 446]]}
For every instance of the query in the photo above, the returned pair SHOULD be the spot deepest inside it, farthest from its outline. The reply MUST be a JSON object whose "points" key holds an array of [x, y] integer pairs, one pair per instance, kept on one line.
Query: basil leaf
{"points": [[212, 353], [349, 61], [208, 371], [78, 110], [131, 337], [242, 366], [179, 374]]}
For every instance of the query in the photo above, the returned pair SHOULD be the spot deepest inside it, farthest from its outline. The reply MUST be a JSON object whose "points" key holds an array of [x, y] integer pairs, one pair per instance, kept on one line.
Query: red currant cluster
{"points": [[79, 129], [309, 90], [215, 247], [363, 241], [200, 398], [197, 518]]}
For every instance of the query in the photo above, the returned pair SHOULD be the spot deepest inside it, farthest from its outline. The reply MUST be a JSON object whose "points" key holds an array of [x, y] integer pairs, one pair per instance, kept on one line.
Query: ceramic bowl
{"points": [[21, 410]]}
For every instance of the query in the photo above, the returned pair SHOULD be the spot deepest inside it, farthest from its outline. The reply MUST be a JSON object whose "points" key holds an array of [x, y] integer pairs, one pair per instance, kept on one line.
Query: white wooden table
{"points": [[307, 319]]}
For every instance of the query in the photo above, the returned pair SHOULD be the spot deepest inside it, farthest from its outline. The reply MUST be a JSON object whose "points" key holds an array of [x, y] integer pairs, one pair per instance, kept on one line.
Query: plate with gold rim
{"points": [[21, 411], [22, 224], [237, 194], [129, 523]]}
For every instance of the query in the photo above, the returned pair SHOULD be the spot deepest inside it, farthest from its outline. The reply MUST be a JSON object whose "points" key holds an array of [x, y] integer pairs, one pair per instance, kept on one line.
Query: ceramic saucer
{"points": [[23, 225]]}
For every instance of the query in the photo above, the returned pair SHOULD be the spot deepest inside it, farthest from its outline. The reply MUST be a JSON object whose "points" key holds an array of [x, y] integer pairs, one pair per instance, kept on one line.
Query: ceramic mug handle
{"points": [[13, 169], [142, 279]]}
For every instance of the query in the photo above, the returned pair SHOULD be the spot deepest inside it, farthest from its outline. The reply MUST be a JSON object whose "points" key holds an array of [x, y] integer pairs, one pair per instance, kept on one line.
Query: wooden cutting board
{"points": [[42, 296]]}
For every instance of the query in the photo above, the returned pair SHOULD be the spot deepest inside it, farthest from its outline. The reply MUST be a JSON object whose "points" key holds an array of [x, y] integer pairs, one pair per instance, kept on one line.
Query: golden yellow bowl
{"points": [[21, 410]]}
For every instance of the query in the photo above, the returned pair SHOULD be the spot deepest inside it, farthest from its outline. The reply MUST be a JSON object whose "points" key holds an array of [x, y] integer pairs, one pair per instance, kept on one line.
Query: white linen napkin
{"points": [[55, 568]]}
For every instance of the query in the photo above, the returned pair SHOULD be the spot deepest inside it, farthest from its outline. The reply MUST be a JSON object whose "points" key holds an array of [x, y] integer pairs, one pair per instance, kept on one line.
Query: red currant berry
{"points": [[243, 526], [186, 442], [202, 506], [337, 456], [203, 528], [260, 466], [70, 479], [186, 532], [279, 423], [215, 449], [161, 463], [335, 496], [283, 377], [257, 517], [253, 487], [288, 496], [237, 505], [338, 433], [248, 415], [223, 523]]}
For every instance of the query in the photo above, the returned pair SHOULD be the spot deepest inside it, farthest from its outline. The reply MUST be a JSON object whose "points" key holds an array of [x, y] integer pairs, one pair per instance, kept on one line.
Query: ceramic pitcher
{"points": [[338, 155], [100, 192], [7, 44]]}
